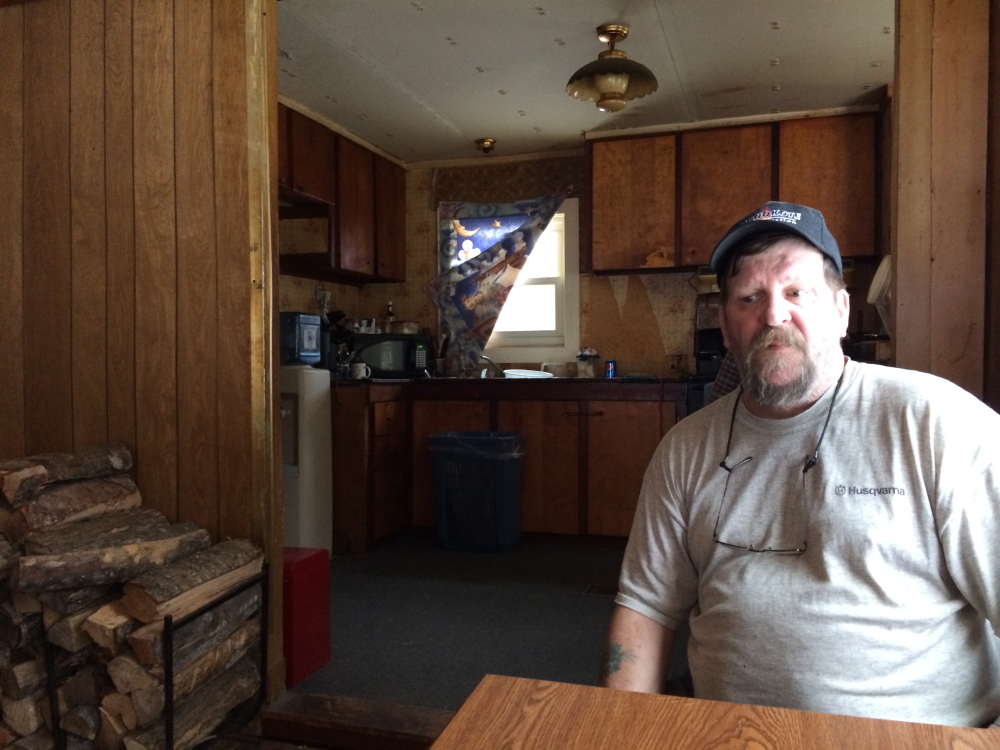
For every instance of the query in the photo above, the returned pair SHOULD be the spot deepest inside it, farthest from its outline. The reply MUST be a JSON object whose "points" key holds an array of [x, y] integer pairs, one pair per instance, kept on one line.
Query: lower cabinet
{"points": [[550, 499], [621, 438]]}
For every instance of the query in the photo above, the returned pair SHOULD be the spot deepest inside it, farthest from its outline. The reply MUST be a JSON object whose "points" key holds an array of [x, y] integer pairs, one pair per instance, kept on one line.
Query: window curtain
{"points": [[482, 249]]}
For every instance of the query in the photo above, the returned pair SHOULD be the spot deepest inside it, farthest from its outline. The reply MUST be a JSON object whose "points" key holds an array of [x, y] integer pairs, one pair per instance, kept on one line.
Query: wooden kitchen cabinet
{"points": [[829, 163], [725, 174], [311, 158], [355, 208], [390, 220], [616, 463], [633, 203], [432, 418], [550, 499], [371, 477]]}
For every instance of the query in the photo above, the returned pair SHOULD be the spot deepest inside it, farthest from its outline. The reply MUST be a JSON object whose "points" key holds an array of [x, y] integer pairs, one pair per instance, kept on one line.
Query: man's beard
{"points": [[759, 364]]}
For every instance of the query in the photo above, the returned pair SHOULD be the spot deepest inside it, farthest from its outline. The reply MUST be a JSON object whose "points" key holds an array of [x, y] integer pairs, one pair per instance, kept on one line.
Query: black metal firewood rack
{"points": [[170, 628]]}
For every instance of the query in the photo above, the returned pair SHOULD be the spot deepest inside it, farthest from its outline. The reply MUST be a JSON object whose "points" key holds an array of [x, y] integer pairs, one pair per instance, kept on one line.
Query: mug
{"points": [[359, 371]]}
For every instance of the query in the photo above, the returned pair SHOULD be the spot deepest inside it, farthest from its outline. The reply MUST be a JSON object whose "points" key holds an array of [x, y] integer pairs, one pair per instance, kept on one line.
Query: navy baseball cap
{"points": [[774, 216]]}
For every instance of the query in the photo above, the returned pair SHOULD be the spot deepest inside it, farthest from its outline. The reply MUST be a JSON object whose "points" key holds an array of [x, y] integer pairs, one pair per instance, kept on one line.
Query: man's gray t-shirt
{"points": [[886, 614]]}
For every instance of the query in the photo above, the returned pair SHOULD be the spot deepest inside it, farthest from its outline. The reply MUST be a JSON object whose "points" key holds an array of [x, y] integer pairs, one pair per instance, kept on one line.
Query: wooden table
{"points": [[512, 712]]}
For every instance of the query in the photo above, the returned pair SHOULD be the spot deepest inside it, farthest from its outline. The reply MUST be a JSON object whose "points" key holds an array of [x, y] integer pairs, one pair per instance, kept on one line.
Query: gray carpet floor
{"points": [[416, 624]]}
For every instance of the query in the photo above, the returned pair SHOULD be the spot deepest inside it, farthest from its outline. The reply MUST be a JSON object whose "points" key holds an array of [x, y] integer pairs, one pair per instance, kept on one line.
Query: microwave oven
{"points": [[393, 355]]}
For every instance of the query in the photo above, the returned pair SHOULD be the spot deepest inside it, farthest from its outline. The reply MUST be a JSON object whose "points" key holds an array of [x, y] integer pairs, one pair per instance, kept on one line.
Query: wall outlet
{"points": [[323, 299]]}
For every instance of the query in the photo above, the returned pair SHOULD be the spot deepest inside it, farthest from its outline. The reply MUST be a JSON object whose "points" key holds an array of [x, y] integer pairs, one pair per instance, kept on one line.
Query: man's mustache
{"points": [[782, 336]]}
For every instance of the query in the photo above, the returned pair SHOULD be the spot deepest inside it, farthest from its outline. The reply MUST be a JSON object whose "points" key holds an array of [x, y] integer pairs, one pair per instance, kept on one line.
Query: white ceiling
{"points": [[423, 79]]}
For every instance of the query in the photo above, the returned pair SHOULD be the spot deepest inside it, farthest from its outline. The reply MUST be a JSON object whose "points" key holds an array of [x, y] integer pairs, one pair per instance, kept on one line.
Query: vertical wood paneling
{"points": [[991, 366], [120, 221], [12, 416], [89, 246], [155, 256], [911, 289], [47, 257], [197, 320], [958, 174], [235, 437]]}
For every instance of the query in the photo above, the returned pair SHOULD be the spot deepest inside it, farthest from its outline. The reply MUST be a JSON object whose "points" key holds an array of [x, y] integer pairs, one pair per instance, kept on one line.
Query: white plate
{"points": [[527, 374]]}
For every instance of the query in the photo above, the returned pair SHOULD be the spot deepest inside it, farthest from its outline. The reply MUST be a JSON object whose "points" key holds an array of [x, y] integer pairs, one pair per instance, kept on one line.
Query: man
{"points": [[829, 531]]}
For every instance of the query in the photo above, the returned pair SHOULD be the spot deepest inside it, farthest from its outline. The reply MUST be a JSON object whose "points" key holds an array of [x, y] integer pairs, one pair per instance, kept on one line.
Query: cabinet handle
{"points": [[585, 414]]}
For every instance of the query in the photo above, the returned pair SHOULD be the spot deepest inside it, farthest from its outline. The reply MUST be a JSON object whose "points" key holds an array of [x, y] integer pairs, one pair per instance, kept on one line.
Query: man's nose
{"points": [[777, 311]]}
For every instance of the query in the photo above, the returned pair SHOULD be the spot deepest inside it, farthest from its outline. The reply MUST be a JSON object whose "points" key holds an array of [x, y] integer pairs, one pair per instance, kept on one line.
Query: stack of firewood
{"points": [[87, 576]]}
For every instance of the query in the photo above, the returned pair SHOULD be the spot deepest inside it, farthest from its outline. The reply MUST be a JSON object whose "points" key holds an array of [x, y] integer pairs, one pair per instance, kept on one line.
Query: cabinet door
{"points": [[312, 157], [828, 163], [550, 497], [725, 174], [633, 203], [356, 207], [431, 418], [390, 220], [622, 436], [391, 467]]}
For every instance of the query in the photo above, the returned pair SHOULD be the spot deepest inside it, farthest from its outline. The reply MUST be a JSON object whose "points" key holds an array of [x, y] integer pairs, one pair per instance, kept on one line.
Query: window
{"points": [[540, 321]]}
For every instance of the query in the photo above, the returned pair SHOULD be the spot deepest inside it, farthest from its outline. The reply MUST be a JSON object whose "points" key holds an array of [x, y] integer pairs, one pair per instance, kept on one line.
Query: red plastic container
{"points": [[306, 612]]}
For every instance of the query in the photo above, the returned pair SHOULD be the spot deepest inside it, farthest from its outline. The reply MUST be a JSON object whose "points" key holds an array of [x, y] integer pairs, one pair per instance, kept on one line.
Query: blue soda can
{"points": [[609, 368]]}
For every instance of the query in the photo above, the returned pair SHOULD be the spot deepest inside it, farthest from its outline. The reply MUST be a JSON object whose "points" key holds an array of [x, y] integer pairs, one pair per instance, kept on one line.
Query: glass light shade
{"points": [[612, 78]]}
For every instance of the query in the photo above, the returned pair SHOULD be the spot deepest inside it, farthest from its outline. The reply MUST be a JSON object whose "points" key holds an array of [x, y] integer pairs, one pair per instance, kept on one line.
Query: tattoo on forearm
{"points": [[615, 656]]}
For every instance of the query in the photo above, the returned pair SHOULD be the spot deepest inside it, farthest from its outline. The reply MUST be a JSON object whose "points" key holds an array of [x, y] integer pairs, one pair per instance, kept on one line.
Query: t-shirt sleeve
{"points": [[658, 578]]}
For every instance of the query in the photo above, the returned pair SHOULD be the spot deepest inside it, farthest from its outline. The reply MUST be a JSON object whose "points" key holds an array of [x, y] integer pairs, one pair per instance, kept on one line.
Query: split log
{"points": [[197, 636], [25, 602], [149, 702], [8, 558], [120, 706], [17, 629], [82, 721], [129, 675], [68, 601], [25, 716], [20, 480], [68, 502], [198, 716], [69, 633], [187, 584], [39, 740], [82, 688], [109, 626], [112, 732], [88, 553], [21, 680], [7, 735]]}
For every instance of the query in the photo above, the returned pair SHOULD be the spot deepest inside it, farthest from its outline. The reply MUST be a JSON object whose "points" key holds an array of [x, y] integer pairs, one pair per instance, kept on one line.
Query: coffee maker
{"points": [[709, 349]]}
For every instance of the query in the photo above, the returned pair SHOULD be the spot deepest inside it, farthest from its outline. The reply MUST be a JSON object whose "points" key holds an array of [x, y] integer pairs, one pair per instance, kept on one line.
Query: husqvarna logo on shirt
{"points": [[841, 489]]}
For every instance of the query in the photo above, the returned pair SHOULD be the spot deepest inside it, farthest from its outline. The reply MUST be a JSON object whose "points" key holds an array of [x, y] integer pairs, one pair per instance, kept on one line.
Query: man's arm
{"points": [[638, 653]]}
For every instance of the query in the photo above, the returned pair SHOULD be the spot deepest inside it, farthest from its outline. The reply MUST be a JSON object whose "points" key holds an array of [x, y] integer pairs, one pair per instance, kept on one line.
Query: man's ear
{"points": [[722, 324], [843, 302]]}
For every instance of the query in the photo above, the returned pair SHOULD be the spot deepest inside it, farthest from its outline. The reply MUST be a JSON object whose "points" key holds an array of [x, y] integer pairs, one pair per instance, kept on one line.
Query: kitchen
{"points": [[166, 334]]}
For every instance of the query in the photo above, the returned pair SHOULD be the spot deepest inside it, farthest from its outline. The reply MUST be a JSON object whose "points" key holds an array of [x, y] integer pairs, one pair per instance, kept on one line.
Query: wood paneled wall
{"points": [[939, 187], [134, 245]]}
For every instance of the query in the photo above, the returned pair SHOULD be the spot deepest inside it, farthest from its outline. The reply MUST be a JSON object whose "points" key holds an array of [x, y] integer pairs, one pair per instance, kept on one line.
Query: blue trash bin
{"points": [[477, 488]]}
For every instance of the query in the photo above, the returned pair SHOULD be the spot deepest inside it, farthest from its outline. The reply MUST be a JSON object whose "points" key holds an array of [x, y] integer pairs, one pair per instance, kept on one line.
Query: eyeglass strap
{"points": [[829, 413], [724, 464]]}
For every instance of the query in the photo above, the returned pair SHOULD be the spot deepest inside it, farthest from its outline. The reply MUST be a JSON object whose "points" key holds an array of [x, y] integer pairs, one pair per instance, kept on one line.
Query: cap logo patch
{"points": [[769, 214]]}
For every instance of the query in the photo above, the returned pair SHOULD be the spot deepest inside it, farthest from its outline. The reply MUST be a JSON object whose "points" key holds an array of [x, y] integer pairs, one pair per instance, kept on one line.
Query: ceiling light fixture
{"points": [[485, 144], [612, 80]]}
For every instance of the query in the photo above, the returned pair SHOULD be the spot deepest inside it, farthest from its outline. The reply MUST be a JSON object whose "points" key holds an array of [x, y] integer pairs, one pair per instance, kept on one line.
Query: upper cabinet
{"points": [[665, 201], [390, 220], [829, 163], [362, 196], [312, 158], [356, 207], [725, 174], [633, 199]]}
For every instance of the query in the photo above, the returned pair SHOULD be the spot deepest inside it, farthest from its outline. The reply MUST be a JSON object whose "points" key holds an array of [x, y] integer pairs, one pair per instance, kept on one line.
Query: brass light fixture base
{"points": [[485, 144], [612, 33]]}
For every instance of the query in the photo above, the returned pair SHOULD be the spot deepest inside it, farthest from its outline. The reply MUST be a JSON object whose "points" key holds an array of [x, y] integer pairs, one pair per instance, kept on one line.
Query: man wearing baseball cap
{"points": [[827, 531]]}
